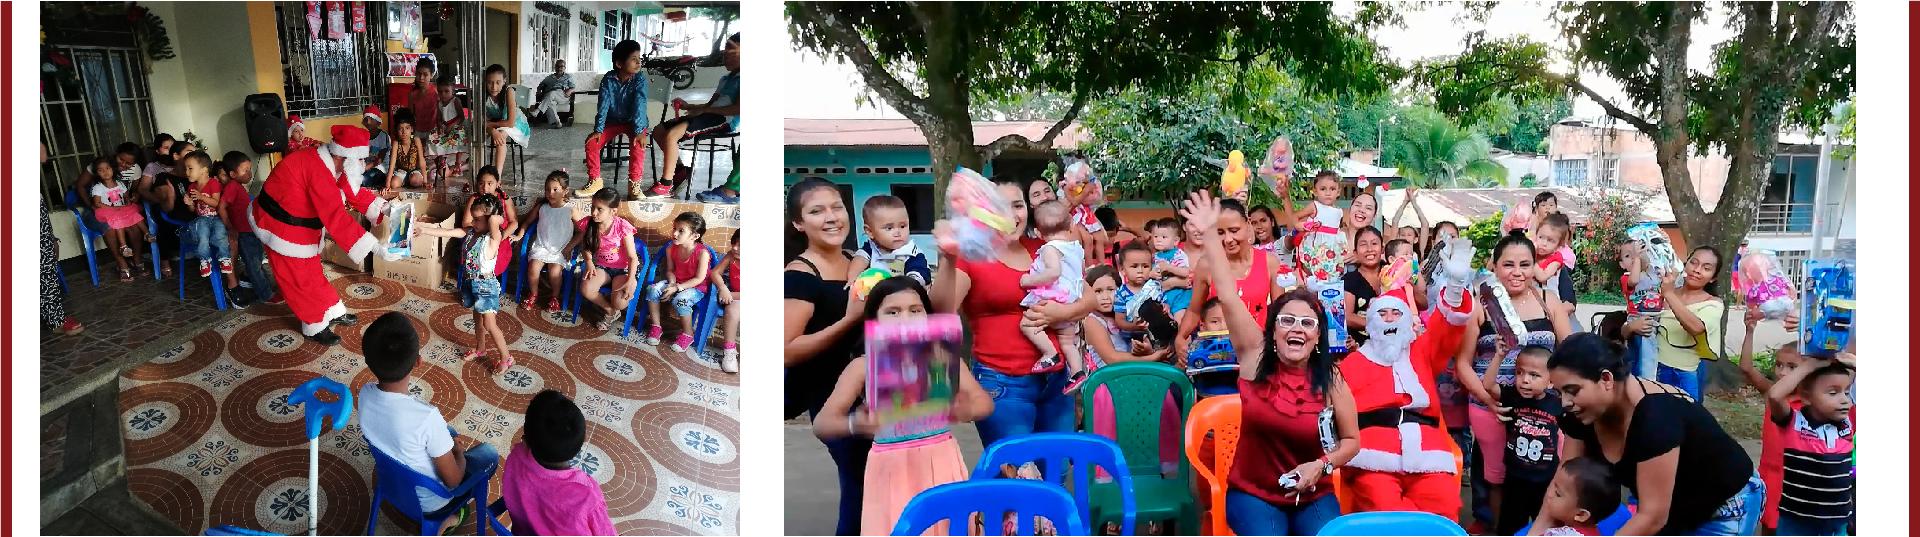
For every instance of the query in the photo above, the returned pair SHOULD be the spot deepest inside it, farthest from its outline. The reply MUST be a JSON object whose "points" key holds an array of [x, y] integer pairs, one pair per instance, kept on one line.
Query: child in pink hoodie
{"points": [[545, 495]]}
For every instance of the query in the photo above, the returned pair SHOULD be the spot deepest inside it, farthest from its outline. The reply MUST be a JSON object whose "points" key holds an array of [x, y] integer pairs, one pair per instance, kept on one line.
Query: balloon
{"points": [[864, 284]]}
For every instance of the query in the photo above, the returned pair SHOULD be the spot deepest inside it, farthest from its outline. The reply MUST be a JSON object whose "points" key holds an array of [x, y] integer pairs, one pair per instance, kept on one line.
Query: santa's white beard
{"points": [[355, 169], [1388, 341]]}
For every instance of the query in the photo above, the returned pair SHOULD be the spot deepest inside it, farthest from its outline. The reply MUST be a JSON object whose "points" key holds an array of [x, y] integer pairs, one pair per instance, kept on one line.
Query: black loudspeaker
{"points": [[266, 123]]}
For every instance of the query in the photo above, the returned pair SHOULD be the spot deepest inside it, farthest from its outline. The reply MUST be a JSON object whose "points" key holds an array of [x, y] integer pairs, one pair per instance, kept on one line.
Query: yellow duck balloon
{"points": [[1234, 178]]}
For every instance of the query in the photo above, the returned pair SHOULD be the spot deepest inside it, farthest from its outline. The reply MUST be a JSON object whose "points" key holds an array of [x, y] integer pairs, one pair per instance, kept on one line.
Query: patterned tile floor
{"points": [[120, 318], [210, 439]]}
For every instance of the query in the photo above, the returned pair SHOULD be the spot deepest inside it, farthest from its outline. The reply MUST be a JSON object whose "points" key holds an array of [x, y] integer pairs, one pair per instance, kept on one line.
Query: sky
{"points": [[1431, 32]]}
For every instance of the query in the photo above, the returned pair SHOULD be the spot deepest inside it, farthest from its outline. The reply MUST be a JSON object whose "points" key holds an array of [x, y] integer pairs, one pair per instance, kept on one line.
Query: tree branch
{"points": [[1615, 111], [1081, 95], [839, 37]]}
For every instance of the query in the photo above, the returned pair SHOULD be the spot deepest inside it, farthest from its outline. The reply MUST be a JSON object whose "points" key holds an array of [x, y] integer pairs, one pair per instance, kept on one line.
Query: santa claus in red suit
{"points": [[305, 199], [1406, 460]]}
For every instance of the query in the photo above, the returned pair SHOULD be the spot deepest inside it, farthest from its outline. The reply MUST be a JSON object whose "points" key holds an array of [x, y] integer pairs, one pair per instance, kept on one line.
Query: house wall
{"points": [[1639, 163], [503, 38]]}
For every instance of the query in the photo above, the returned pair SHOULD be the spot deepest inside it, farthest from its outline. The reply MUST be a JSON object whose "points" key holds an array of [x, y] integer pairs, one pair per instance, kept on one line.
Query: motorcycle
{"points": [[676, 69]]}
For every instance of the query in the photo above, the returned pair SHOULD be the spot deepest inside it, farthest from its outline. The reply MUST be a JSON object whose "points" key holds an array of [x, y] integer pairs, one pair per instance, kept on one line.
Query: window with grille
{"points": [[1609, 171], [614, 29], [1570, 172], [550, 27], [588, 26], [328, 77]]}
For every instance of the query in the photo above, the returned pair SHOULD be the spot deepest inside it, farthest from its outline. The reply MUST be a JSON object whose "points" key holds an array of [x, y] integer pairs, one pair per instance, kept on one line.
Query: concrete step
{"points": [[111, 511]]}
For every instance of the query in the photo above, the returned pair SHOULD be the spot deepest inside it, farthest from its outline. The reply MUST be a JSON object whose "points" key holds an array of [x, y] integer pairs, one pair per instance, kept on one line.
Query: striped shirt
{"points": [[1818, 477]]}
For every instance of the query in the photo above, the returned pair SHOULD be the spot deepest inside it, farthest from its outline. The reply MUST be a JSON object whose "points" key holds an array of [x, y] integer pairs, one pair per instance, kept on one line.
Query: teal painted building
{"points": [[875, 157]]}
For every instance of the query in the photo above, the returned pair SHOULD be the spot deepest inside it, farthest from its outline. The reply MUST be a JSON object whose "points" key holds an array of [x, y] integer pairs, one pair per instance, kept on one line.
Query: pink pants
{"points": [[1490, 436], [636, 154]]}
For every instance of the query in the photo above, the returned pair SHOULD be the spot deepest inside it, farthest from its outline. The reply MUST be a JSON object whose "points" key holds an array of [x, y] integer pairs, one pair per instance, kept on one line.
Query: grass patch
{"points": [[1739, 411]]}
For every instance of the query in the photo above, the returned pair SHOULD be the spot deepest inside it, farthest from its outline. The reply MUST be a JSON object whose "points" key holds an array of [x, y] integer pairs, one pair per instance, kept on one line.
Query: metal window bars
{"points": [[106, 103], [327, 77]]}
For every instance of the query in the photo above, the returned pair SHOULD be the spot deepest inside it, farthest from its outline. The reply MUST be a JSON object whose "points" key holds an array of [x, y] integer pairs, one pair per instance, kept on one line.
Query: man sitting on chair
{"points": [[555, 89], [720, 115]]}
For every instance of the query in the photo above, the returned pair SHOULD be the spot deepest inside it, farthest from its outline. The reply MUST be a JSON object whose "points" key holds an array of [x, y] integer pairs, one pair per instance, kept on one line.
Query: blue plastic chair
{"points": [[319, 415], [639, 295], [395, 483], [1392, 523], [705, 313], [153, 242], [569, 273], [87, 237], [1607, 526], [1054, 453], [219, 286], [957, 502]]}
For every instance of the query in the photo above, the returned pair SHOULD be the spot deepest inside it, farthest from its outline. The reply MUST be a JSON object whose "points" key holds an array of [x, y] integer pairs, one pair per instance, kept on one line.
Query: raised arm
{"points": [[1203, 211]]}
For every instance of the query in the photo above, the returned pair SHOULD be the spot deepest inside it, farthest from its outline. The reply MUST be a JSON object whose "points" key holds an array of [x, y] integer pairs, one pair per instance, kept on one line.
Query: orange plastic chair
{"points": [[1344, 492], [1220, 416]]}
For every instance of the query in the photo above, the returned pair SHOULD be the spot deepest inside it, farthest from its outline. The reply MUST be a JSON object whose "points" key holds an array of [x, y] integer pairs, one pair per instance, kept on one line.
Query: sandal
{"points": [[605, 324], [471, 355], [126, 251], [501, 365], [530, 303], [126, 276], [553, 305]]}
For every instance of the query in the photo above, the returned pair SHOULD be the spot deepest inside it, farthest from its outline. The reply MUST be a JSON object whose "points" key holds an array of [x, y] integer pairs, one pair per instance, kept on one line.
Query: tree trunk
{"points": [[948, 127]]}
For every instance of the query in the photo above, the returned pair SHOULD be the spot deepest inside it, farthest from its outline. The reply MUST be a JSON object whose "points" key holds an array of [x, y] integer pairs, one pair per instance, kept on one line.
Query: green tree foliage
{"points": [[1785, 66], [1526, 128], [931, 60], [1159, 147], [1433, 152]]}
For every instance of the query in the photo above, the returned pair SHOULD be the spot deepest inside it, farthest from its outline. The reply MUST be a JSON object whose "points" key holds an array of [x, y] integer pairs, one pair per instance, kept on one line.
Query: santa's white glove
{"points": [[1457, 269]]}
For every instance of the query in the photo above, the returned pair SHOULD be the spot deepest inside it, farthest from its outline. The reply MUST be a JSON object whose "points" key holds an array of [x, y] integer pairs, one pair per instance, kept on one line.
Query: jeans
{"points": [[1641, 357], [253, 260], [209, 238], [1688, 381], [682, 301], [481, 294], [1024, 404], [1791, 524], [1741, 514], [480, 458], [1250, 515], [850, 459]]}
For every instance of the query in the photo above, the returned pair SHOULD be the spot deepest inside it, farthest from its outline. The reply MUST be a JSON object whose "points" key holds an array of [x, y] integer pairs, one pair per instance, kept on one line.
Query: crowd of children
{"points": [[1142, 285]]}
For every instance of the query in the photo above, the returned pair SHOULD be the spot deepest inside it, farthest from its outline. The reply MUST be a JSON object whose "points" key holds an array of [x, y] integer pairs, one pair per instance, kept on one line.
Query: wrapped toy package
{"points": [[399, 242], [980, 220], [1500, 313], [912, 371], [1233, 179], [1333, 300], [1826, 321], [1767, 287], [1657, 249], [1082, 191]]}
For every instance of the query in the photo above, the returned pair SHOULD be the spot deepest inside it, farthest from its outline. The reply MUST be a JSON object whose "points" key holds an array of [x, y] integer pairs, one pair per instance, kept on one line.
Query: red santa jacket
{"points": [[306, 194], [1410, 447]]}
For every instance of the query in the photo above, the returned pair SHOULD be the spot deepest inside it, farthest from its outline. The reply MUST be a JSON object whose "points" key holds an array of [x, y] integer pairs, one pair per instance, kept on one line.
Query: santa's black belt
{"points": [[1393, 417], [274, 210]]}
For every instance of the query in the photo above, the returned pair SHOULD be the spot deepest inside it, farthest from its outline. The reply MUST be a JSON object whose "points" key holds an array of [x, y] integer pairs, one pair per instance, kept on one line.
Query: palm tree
{"points": [[1433, 152]]}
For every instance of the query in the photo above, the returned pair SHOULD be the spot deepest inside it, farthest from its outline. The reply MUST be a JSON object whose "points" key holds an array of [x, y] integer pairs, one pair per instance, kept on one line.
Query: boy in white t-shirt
{"points": [[406, 429]]}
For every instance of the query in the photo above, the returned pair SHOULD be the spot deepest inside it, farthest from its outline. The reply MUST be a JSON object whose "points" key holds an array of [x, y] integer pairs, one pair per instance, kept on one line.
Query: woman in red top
{"points": [[987, 295], [1253, 270], [1287, 379]]}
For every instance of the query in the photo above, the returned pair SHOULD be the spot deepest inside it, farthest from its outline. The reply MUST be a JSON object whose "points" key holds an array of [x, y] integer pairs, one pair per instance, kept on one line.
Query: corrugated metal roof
{"points": [[903, 133], [1463, 206]]}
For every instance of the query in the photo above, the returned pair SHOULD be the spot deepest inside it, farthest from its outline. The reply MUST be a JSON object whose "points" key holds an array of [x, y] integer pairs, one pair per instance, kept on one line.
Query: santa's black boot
{"points": [[345, 319], [326, 337]]}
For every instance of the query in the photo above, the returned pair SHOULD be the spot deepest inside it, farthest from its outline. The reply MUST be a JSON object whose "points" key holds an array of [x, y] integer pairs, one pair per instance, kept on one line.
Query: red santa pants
{"points": [[308, 293], [636, 152], [1437, 493]]}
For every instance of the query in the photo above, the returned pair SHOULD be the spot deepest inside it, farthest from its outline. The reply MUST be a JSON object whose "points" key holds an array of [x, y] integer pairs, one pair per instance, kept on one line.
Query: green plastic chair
{"points": [[1139, 390]]}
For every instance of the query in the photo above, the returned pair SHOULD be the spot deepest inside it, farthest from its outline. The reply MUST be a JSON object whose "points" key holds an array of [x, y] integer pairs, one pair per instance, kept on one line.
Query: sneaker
{"points": [[682, 343], [593, 185], [226, 265], [71, 326], [653, 336], [206, 268], [238, 301], [1046, 363], [716, 196], [660, 190], [1073, 383], [730, 360]]}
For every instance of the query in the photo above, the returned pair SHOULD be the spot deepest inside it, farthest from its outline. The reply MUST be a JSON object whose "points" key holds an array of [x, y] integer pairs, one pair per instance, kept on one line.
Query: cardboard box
{"points": [[337, 256], [426, 273], [424, 247]]}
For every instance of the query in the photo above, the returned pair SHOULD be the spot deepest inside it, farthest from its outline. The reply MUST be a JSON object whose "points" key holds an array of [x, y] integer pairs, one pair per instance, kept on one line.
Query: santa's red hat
{"points": [[373, 113], [294, 122], [1398, 298]]}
